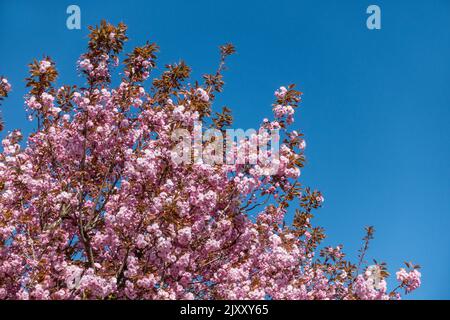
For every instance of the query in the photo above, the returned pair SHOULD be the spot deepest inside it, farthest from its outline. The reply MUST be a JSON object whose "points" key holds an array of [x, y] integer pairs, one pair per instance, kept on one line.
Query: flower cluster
{"points": [[44, 65], [100, 70], [410, 280], [5, 88], [95, 207]]}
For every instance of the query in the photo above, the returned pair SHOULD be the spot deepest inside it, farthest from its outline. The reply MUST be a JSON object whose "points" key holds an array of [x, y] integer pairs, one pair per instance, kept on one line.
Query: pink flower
{"points": [[281, 92], [5, 85], [411, 280], [44, 65], [85, 64], [184, 235], [302, 144], [202, 94], [93, 205]]}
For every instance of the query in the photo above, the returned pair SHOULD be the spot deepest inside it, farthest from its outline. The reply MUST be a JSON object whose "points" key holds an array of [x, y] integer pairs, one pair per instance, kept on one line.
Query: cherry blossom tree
{"points": [[93, 205]]}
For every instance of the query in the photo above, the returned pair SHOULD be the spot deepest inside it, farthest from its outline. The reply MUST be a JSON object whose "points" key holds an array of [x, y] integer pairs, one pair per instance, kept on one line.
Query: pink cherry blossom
{"points": [[44, 65], [411, 279]]}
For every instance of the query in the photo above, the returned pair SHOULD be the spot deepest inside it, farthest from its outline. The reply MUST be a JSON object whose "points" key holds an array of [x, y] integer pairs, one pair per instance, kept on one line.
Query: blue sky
{"points": [[375, 110]]}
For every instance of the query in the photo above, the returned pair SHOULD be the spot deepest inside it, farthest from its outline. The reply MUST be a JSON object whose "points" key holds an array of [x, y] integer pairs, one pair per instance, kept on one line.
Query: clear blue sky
{"points": [[376, 107]]}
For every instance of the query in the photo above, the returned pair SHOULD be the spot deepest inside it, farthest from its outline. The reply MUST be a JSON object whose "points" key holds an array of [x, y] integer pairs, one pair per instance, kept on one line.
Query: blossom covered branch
{"points": [[94, 207]]}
